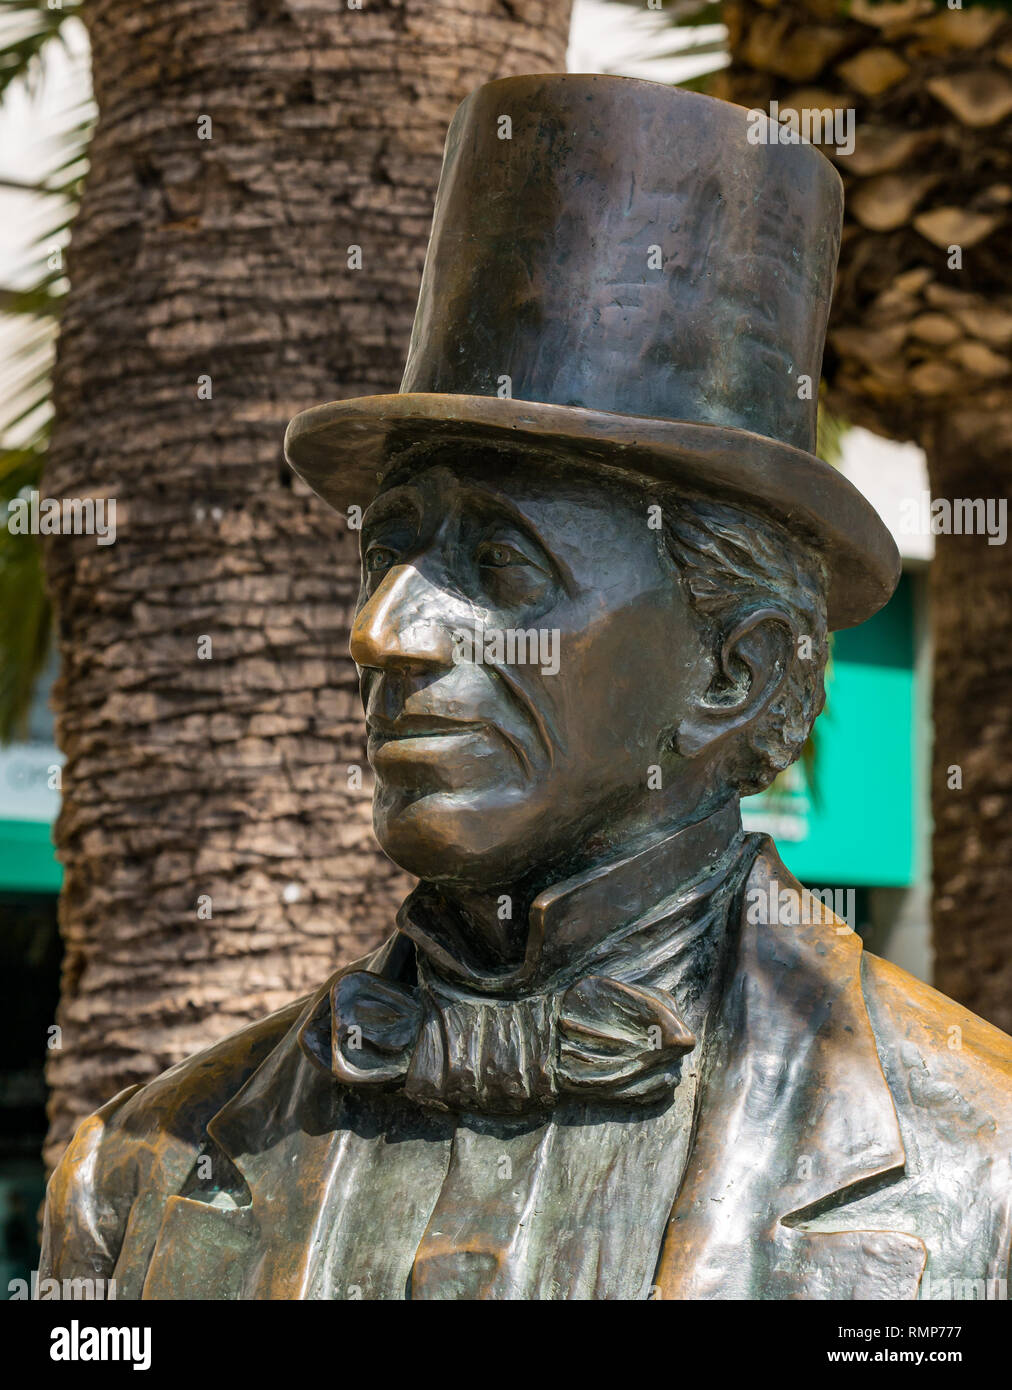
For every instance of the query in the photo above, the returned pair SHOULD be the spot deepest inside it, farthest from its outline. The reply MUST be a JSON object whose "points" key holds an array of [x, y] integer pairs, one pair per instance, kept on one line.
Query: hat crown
{"points": [[623, 246]]}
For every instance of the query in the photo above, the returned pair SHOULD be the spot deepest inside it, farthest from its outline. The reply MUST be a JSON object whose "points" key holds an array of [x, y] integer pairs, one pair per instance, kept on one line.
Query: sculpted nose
{"points": [[400, 625]]}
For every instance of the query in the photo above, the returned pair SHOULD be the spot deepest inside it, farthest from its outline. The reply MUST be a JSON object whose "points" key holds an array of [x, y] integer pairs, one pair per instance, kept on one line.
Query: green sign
{"points": [[853, 822], [28, 862]]}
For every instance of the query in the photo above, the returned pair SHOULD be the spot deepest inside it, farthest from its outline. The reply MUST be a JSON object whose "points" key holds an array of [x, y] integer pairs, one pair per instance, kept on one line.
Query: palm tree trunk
{"points": [[219, 859], [971, 582]]}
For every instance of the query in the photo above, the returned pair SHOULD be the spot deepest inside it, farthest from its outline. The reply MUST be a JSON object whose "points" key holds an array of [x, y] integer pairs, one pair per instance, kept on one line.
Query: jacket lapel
{"points": [[795, 1119], [300, 1147], [280, 1132], [269, 1154]]}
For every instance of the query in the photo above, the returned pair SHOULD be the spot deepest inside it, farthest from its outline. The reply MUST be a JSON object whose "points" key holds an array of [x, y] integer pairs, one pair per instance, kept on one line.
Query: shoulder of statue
{"points": [[145, 1140], [909, 1017], [166, 1118], [180, 1101], [953, 1068]]}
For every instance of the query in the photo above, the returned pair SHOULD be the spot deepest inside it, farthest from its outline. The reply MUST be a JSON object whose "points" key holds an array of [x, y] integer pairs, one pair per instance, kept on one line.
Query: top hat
{"points": [[622, 273]]}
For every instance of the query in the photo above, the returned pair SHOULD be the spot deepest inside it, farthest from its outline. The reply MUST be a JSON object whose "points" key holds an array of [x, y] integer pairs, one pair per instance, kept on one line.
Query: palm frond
{"points": [[30, 305], [687, 33], [27, 28]]}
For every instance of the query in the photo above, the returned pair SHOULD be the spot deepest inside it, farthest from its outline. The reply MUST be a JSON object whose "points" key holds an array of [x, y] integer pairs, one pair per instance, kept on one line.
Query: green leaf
{"points": [[29, 30], [830, 431], [27, 27]]}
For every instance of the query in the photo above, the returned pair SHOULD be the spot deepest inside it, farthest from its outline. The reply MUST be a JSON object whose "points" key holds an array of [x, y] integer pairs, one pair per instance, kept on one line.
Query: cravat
{"points": [[599, 1039]]}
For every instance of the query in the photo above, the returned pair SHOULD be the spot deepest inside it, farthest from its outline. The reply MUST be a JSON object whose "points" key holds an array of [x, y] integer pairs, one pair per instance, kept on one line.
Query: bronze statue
{"points": [[612, 1049]]}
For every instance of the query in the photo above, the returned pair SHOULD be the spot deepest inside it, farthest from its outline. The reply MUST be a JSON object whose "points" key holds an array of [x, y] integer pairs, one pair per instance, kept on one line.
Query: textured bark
{"points": [[912, 339], [971, 604], [919, 349], [227, 779]]}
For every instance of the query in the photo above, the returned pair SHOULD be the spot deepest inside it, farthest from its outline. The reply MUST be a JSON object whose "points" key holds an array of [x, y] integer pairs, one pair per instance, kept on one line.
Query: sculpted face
{"points": [[526, 652]]}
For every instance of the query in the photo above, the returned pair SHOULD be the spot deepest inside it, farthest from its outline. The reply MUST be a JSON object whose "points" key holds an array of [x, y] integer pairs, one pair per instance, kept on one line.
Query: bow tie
{"points": [[598, 1039]]}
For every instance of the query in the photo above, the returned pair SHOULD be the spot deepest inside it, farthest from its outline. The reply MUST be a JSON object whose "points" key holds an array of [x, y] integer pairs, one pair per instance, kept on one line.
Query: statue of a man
{"points": [[612, 1049]]}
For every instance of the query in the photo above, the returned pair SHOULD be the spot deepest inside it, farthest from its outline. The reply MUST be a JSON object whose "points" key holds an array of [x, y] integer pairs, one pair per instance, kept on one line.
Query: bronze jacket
{"points": [[853, 1139]]}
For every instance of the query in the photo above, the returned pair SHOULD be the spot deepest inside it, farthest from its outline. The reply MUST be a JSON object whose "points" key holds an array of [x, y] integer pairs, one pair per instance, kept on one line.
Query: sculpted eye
{"points": [[379, 558], [498, 555]]}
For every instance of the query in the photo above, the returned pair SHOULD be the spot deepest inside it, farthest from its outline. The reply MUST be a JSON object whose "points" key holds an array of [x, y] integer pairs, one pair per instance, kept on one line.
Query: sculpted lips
{"points": [[420, 726], [429, 746], [395, 745], [398, 734]]}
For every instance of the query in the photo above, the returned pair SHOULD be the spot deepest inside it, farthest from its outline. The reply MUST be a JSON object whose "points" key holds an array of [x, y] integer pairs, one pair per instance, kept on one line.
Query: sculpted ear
{"points": [[755, 660]]}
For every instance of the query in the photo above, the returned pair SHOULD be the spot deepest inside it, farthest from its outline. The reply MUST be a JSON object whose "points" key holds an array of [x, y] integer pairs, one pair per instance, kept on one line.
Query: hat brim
{"points": [[344, 450]]}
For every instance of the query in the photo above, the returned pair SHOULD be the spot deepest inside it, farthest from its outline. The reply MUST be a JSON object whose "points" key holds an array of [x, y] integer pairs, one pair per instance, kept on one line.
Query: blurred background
{"points": [[183, 842]]}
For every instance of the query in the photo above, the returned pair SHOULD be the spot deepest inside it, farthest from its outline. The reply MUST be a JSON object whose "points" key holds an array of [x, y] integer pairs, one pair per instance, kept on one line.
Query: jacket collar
{"points": [[571, 922]]}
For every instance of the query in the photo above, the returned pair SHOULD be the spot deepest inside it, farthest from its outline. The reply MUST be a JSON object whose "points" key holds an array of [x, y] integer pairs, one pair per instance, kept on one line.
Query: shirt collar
{"points": [[572, 920]]}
